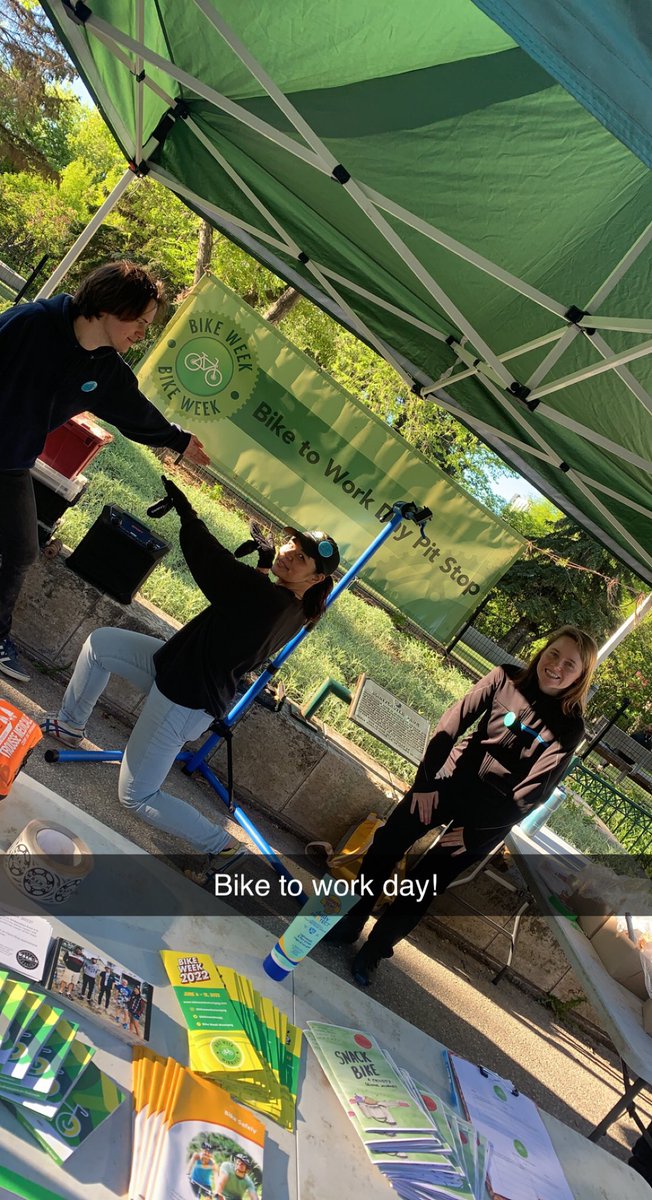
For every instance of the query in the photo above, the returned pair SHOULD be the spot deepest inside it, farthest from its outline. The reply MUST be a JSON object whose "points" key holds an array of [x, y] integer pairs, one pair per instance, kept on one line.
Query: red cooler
{"points": [[71, 447]]}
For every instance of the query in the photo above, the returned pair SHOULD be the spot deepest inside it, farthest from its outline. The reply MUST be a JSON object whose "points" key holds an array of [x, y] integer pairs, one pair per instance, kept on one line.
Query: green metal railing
{"points": [[628, 820], [328, 687]]}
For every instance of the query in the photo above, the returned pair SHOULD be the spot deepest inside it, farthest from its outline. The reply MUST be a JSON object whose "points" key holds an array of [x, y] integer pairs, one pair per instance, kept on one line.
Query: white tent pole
{"points": [[85, 236], [641, 611], [290, 247], [545, 366], [608, 516], [628, 324], [607, 491], [598, 439], [212, 210], [109, 35], [526, 348], [76, 37], [274, 92], [621, 268], [465, 252], [595, 301], [624, 373], [393, 308], [607, 364], [353, 189], [122, 56]]}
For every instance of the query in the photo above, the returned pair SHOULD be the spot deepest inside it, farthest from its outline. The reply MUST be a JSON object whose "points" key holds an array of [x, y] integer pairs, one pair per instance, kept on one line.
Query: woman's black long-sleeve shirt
{"points": [[248, 620], [510, 763]]}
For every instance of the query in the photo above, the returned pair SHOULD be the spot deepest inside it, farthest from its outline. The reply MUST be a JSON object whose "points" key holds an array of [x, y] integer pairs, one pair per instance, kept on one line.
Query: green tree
{"points": [[540, 592], [32, 104], [628, 672]]}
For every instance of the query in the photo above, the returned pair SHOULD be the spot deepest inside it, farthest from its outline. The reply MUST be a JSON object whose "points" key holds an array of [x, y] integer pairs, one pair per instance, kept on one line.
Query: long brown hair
{"points": [[573, 698], [314, 600]]}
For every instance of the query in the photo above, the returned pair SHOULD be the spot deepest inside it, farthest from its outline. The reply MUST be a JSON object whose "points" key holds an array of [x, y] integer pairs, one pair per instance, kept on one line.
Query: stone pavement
{"points": [[430, 982]]}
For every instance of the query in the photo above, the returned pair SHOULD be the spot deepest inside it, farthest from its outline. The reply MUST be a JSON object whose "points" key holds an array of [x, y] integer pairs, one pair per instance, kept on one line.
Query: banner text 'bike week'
{"points": [[309, 453]]}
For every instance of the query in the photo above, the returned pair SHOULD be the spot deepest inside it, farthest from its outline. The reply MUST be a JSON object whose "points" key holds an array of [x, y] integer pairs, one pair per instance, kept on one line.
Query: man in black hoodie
{"points": [[60, 357]]}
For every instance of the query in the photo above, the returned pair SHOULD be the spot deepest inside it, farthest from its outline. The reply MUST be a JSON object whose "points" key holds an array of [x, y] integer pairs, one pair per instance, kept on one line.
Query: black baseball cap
{"points": [[318, 545]]}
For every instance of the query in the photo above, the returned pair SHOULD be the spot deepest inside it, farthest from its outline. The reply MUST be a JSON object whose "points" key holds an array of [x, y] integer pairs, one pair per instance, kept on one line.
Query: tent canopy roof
{"points": [[426, 181]]}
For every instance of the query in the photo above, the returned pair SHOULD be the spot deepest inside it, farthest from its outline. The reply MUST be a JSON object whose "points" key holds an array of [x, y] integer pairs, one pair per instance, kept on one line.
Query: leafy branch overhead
{"points": [[32, 68]]}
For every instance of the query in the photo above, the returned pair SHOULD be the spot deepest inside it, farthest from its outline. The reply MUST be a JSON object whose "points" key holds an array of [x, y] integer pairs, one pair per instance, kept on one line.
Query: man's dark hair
{"points": [[124, 289]]}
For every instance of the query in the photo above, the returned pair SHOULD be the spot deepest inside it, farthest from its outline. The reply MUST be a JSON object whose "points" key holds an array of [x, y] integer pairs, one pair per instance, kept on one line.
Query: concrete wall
{"points": [[312, 781]]}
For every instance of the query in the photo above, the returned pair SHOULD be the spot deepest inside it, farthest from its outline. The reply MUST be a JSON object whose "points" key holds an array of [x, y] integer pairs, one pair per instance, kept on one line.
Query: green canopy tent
{"points": [[416, 173]]}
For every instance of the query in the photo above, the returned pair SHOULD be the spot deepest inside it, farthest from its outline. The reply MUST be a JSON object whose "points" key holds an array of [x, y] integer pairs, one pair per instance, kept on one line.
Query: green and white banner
{"points": [[305, 451]]}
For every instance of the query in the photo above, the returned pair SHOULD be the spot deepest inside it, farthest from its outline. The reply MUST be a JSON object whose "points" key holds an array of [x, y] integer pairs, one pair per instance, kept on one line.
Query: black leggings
{"points": [[18, 539], [390, 843]]}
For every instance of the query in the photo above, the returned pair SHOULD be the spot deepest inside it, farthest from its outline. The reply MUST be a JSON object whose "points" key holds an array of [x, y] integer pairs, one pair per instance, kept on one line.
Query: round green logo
{"points": [[226, 1052], [207, 369], [499, 1092], [520, 1149], [204, 367]]}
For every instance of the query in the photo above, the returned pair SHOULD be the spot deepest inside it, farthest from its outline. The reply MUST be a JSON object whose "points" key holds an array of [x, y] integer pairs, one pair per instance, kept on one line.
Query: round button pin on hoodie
{"points": [[89, 385]]}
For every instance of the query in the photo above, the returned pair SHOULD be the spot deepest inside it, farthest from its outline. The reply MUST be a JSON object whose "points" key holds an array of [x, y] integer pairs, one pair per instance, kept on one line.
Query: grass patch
{"points": [[572, 823], [354, 636]]}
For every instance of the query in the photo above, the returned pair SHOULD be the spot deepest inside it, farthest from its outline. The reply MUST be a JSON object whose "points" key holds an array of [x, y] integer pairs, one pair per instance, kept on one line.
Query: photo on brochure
{"points": [[217, 1164], [91, 981]]}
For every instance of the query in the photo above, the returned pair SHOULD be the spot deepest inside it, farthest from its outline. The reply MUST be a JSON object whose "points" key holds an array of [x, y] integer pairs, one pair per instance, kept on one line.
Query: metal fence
{"points": [[628, 820]]}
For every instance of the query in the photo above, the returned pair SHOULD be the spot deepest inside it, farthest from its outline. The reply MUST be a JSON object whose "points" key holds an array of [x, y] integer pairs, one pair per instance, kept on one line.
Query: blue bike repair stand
{"points": [[196, 760]]}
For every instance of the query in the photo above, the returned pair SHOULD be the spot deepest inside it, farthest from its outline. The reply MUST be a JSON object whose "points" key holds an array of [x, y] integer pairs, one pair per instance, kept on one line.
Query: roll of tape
{"points": [[47, 862]]}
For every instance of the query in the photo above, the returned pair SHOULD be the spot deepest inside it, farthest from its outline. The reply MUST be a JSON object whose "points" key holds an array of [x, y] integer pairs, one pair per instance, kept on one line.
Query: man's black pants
{"points": [[18, 539]]}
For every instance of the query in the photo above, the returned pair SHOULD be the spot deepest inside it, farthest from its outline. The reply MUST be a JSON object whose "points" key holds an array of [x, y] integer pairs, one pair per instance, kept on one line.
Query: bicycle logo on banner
{"points": [[211, 370]]}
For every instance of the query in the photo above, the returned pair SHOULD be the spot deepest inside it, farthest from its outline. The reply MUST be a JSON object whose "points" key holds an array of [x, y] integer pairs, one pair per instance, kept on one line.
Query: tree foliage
{"points": [[628, 673], [32, 104], [539, 593]]}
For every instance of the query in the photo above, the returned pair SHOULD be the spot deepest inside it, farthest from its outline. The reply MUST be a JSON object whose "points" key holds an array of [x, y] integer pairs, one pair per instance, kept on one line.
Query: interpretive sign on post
{"points": [[390, 720]]}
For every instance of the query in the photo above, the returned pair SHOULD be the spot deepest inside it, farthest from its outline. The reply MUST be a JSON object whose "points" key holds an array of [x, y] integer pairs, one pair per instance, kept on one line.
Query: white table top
{"points": [[323, 1159], [620, 1010]]}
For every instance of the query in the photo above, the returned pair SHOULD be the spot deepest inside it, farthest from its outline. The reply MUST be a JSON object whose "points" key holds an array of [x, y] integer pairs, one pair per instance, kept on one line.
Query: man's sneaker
{"points": [[202, 869], [10, 663], [66, 734]]}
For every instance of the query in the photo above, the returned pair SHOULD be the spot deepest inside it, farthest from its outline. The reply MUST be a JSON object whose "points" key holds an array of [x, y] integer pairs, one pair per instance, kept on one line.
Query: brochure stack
{"points": [[236, 1036], [190, 1136], [423, 1148], [47, 1078]]}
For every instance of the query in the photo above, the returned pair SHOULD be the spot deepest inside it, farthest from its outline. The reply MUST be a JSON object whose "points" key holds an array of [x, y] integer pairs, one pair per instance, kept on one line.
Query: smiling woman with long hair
{"points": [[529, 726], [193, 678]]}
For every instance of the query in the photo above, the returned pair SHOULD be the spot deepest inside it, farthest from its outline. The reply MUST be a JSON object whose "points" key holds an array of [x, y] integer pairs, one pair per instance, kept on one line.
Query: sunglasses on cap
{"points": [[319, 546]]}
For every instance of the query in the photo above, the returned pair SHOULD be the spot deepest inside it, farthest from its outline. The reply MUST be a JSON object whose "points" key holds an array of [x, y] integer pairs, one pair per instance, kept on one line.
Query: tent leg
{"points": [[85, 236]]}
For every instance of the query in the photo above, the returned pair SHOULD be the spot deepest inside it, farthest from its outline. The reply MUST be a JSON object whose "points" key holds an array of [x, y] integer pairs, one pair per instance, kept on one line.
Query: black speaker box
{"points": [[117, 554]]}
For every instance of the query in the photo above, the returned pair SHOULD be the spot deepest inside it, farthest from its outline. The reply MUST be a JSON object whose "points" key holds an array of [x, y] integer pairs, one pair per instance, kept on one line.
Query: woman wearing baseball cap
{"points": [[192, 679]]}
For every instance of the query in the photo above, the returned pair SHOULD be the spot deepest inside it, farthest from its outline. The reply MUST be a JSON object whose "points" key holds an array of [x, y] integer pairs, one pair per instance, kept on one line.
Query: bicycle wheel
{"points": [[194, 362]]}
